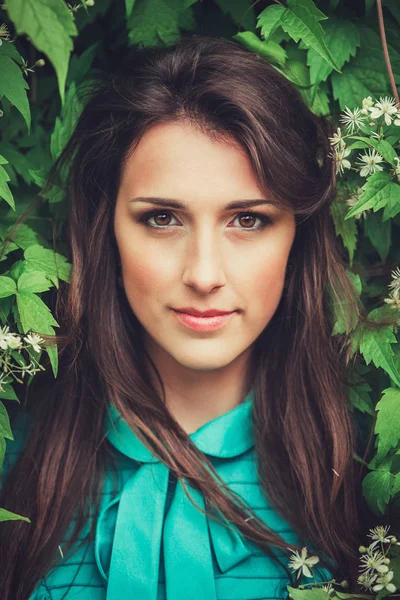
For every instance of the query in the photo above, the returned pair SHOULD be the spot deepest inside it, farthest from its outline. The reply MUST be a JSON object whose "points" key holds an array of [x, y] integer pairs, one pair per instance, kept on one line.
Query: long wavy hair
{"points": [[305, 436]]}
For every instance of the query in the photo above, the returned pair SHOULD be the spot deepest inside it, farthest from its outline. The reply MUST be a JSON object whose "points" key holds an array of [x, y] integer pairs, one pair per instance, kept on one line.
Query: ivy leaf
{"points": [[8, 286], [5, 191], [270, 19], [33, 281], [342, 38], [379, 191], [301, 21], [252, 42], [52, 263], [35, 315], [13, 86], [5, 429], [377, 487], [50, 25], [374, 345], [6, 515], [387, 425], [345, 319], [346, 228], [24, 236]]}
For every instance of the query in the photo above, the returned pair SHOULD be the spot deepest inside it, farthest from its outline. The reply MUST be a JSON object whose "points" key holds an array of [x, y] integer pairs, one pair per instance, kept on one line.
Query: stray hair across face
{"points": [[305, 437]]}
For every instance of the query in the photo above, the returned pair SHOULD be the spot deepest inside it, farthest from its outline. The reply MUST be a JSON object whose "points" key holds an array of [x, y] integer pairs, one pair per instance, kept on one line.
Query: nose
{"points": [[203, 262]]}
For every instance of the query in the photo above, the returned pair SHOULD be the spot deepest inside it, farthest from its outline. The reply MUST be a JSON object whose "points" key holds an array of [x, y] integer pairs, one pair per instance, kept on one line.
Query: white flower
{"points": [[383, 582], [301, 563], [341, 160], [366, 580], [4, 335], [4, 33], [352, 119], [337, 139], [14, 341], [34, 340], [328, 589], [385, 106], [373, 561], [367, 102], [394, 299], [397, 120], [353, 200], [369, 163], [396, 170], [395, 284], [380, 533]]}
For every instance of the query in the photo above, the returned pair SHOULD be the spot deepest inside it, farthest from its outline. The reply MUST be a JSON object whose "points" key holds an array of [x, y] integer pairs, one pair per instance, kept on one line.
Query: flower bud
{"points": [[40, 63], [362, 549], [89, 2], [344, 583], [386, 561]]}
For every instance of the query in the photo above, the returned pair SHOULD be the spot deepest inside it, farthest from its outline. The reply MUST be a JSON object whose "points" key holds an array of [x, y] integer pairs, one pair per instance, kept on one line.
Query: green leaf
{"points": [[342, 38], [13, 86], [152, 21], [313, 594], [129, 7], [252, 42], [241, 12], [35, 315], [394, 7], [301, 21], [8, 393], [6, 515], [5, 191], [8, 286], [344, 318], [50, 25], [365, 75], [377, 489], [52, 263], [385, 149], [346, 228], [396, 485], [360, 399], [65, 125], [387, 425], [375, 346], [379, 233], [2, 451], [33, 281], [5, 429], [24, 236], [270, 19], [379, 191]]}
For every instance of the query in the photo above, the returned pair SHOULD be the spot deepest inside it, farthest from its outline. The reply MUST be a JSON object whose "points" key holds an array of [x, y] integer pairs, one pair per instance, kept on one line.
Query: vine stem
{"points": [[386, 51]]}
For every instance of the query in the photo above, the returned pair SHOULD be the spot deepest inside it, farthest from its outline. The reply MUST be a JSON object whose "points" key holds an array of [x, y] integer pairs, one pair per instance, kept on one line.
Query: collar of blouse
{"points": [[188, 538]]}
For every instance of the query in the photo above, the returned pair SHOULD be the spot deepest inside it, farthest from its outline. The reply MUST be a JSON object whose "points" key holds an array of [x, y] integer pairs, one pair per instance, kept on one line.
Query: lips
{"points": [[207, 313]]}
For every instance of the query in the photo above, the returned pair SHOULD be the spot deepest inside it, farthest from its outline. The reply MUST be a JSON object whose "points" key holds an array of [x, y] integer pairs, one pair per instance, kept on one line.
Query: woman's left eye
{"points": [[145, 219]]}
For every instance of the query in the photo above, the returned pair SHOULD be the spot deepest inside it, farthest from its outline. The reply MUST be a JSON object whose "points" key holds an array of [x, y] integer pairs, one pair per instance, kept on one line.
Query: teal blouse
{"points": [[152, 543]]}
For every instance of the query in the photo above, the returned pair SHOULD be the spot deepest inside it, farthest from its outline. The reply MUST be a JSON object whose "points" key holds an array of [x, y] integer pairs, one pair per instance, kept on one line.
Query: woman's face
{"points": [[201, 255]]}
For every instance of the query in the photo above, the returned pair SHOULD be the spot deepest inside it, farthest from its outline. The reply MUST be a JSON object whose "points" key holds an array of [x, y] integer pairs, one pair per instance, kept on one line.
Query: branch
{"points": [[386, 51]]}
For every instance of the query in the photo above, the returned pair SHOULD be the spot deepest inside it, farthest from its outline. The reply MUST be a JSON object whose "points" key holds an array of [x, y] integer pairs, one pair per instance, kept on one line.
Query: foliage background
{"points": [[330, 49]]}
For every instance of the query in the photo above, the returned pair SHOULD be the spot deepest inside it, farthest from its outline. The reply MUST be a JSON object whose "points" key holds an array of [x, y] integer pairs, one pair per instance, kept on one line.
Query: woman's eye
{"points": [[161, 224]]}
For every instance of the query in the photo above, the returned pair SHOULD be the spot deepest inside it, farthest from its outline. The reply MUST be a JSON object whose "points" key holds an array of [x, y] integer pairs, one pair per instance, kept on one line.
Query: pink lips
{"points": [[204, 323]]}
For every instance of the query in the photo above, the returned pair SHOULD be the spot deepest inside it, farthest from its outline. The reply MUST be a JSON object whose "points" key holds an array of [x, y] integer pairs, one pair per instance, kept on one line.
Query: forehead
{"points": [[177, 158]]}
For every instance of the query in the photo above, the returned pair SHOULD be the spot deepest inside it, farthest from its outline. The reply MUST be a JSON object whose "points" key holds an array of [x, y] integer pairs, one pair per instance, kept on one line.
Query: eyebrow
{"points": [[175, 203]]}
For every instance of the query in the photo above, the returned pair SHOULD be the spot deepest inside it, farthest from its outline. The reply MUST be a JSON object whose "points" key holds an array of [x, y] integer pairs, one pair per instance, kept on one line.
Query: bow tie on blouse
{"points": [[187, 536]]}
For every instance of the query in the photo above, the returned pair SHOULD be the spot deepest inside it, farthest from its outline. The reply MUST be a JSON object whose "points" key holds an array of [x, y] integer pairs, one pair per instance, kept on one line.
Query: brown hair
{"points": [[304, 434]]}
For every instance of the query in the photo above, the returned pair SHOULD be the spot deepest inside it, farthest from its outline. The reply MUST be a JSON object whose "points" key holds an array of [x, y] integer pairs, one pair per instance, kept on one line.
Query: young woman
{"points": [[178, 456]]}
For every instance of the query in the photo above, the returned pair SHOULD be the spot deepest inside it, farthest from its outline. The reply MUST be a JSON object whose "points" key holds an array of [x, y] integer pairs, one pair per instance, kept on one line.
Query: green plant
{"points": [[344, 57]]}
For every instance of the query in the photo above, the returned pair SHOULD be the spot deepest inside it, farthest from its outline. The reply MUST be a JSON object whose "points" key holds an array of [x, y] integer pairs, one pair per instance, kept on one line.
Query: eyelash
{"points": [[265, 221]]}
